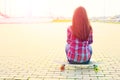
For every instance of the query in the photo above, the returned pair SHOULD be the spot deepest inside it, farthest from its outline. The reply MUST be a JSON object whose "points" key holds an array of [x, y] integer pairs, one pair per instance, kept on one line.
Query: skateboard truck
{"points": [[96, 68]]}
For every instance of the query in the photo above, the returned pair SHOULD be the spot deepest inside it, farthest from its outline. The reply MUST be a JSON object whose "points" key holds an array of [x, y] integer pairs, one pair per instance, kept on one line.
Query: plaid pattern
{"points": [[78, 51]]}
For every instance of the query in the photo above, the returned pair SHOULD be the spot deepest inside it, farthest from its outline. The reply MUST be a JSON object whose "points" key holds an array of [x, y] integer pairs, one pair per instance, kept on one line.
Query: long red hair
{"points": [[80, 24]]}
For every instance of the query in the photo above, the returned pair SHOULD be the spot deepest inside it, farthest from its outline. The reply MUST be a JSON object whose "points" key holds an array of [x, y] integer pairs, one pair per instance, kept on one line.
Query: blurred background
{"points": [[54, 10]]}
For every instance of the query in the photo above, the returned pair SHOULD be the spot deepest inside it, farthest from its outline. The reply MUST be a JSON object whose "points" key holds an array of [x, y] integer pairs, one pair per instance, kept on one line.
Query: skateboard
{"points": [[91, 64]]}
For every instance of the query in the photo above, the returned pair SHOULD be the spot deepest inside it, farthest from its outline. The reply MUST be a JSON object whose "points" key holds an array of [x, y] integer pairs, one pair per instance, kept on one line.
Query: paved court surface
{"points": [[30, 52]]}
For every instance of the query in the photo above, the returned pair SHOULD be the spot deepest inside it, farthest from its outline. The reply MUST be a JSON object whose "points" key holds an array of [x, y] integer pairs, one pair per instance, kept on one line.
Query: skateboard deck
{"points": [[92, 64]]}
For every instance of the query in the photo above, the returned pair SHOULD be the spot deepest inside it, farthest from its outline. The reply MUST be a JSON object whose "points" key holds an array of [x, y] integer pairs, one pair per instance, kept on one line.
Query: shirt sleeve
{"points": [[90, 39], [68, 36]]}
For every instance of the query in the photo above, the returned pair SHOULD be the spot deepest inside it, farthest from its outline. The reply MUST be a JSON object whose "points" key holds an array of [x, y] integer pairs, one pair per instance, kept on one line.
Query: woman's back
{"points": [[78, 50], [79, 37]]}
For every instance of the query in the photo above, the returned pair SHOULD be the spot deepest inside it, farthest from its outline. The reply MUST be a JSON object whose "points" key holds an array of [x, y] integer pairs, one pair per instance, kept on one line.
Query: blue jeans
{"points": [[72, 62]]}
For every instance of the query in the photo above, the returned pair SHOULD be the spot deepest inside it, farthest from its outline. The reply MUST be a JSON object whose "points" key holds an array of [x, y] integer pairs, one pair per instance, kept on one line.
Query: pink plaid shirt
{"points": [[78, 51]]}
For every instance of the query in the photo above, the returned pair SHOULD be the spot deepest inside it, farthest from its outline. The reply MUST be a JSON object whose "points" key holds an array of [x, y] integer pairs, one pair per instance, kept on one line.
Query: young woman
{"points": [[79, 38]]}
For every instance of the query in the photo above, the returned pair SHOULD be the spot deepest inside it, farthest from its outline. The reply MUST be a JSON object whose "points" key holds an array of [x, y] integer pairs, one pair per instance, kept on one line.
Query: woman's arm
{"points": [[90, 39], [68, 35]]}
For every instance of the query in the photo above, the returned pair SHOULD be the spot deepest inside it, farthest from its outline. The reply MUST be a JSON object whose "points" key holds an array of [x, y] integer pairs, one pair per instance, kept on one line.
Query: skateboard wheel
{"points": [[62, 68], [96, 69]]}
